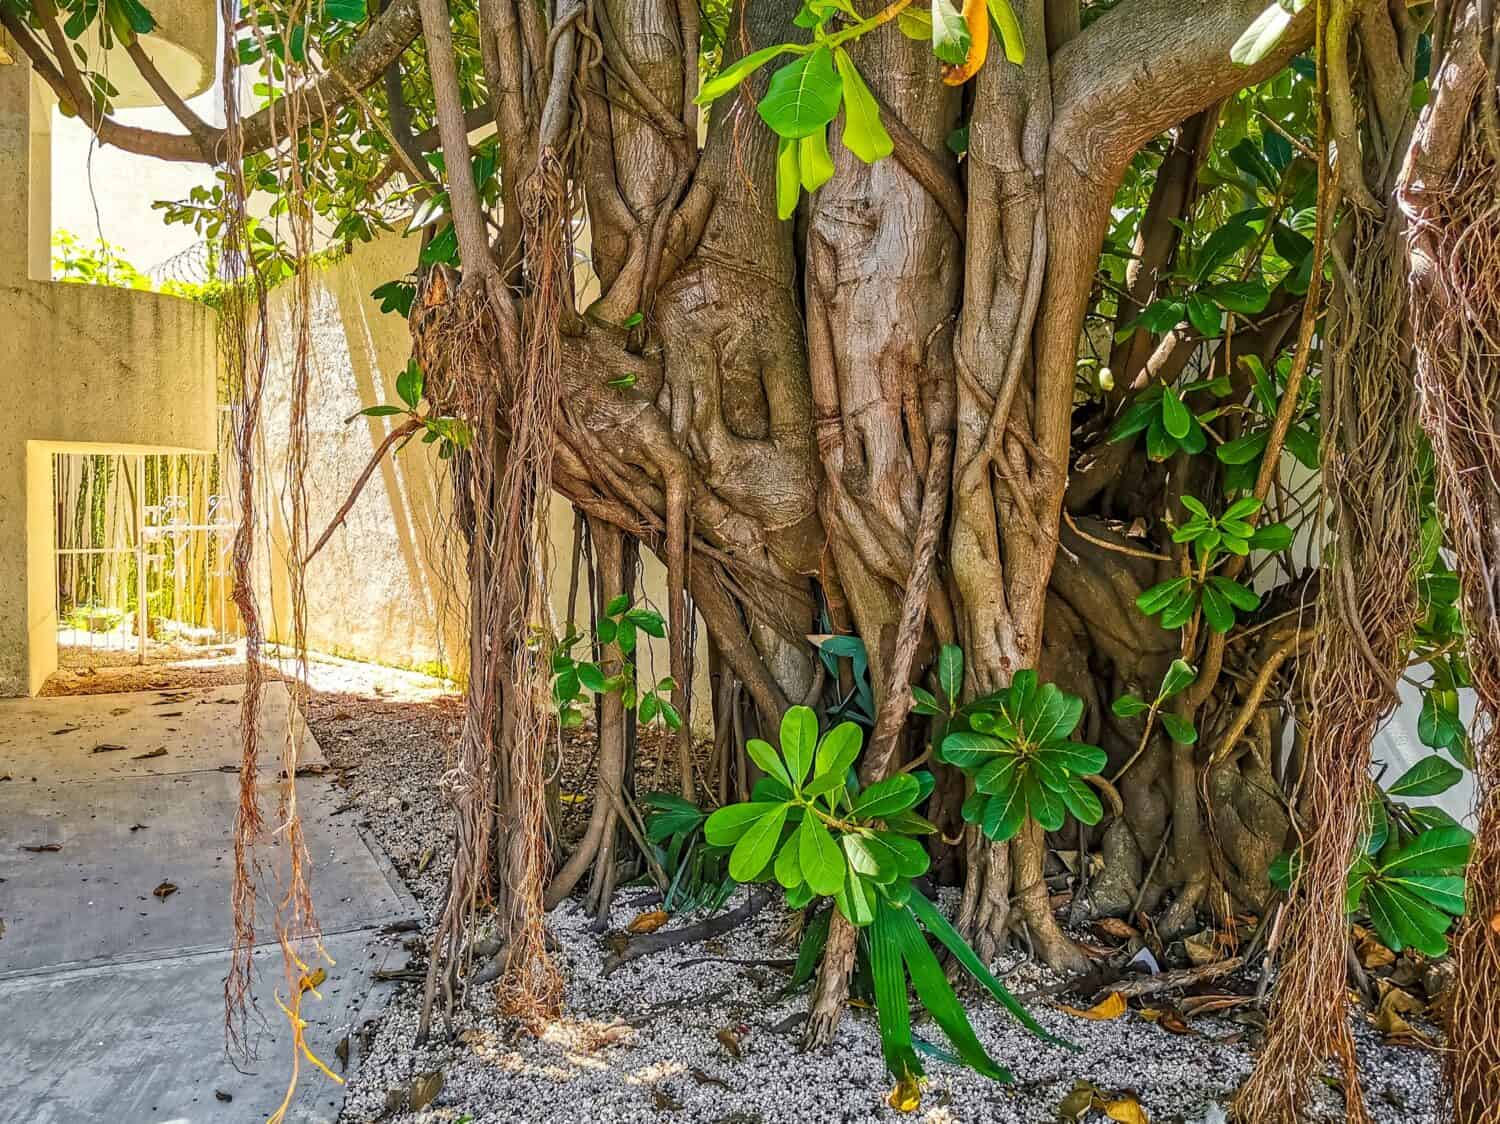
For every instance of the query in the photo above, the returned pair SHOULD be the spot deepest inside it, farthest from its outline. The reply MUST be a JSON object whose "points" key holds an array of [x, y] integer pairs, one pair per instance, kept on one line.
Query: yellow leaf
{"points": [[648, 922], [906, 1096], [977, 16], [1127, 1110], [1112, 1006], [312, 980]]}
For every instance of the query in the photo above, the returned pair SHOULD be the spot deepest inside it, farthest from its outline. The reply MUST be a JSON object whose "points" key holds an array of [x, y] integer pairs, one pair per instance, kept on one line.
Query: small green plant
{"points": [[696, 869], [1214, 539], [1016, 747], [450, 434], [813, 828], [620, 625]]}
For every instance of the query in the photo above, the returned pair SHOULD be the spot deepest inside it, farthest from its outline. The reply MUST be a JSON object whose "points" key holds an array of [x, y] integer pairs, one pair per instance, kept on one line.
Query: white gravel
{"points": [[643, 1043]]}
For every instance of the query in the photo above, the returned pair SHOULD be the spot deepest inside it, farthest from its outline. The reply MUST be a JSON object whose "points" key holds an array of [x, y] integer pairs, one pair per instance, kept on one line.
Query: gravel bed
{"points": [[690, 1035]]}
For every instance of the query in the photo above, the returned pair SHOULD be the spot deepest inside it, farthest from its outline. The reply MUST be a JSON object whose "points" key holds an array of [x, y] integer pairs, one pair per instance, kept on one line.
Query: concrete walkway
{"points": [[111, 987]]}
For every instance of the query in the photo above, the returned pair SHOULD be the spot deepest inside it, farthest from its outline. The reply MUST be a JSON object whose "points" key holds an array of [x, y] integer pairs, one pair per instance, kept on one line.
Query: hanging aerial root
{"points": [[1368, 607], [1454, 211]]}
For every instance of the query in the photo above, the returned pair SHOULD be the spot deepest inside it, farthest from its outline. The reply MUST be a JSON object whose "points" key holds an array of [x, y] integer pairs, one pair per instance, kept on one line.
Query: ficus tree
{"points": [[991, 328]]}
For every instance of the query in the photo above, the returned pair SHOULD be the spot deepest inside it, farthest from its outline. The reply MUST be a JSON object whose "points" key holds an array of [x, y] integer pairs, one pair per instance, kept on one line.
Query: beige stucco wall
{"points": [[382, 589], [82, 369]]}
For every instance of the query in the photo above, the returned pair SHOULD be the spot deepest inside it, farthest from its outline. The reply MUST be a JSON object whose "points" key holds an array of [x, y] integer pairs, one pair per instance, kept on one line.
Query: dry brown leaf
{"points": [[1495, 921], [730, 1041], [1076, 1104], [165, 890], [107, 747], [648, 922], [1127, 1110], [1112, 1006], [906, 1096], [159, 751], [1115, 927], [41, 848], [424, 1089]]}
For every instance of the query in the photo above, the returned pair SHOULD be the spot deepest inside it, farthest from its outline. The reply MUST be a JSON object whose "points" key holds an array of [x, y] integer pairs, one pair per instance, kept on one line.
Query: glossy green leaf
{"points": [[1441, 850], [1128, 706], [768, 760], [803, 95], [1178, 677], [1175, 416], [814, 162], [1081, 800], [884, 798], [1179, 729], [950, 671], [1428, 777], [757, 845], [728, 824], [864, 134], [737, 71], [788, 178], [950, 34], [799, 741], [821, 859], [1010, 30]]}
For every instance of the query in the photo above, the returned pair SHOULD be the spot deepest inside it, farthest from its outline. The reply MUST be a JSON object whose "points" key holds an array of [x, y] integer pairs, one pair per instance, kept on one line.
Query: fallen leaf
{"points": [[137, 827], [572, 797], [221, 1095], [41, 848], [426, 860], [906, 1096], [1494, 919], [1078, 1101], [1127, 1110], [1112, 1006], [159, 751], [424, 1089], [64, 730], [5, 777], [730, 1041], [705, 1078], [107, 747], [1115, 927], [310, 982], [165, 890], [648, 922], [341, 1051], [1202, 949]]}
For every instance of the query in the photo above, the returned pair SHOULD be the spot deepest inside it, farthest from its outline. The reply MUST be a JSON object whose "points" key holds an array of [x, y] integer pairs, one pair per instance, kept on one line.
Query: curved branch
{"points": [[405, 429]]}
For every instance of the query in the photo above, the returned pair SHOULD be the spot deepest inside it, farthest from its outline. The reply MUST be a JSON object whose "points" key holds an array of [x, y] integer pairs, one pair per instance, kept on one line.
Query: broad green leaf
{"points": [[814, 162], [737, 71], [1244, 449], [885, 798], [1004, 814], [409, 384], [799, 741], [951, 672], [862, 860], [1407, 917], [1010, 30], [1159, 596], [857, 900], [755, 847], [1249, 298], [822, 861], [998, 776], [1179, 729], [864, 133], [803, 96], [789, 864], [1217, 610], [968, 749], [1438, 724], [904, 855], [1076, 758], [728, 824], [1272, 537], [1428, 777], [1442, 850], [1082, 801], [348, 11], [1128, 706], [1445, 891], [1175, 417], [1045, 806], [810, 950], [1056, 715], [788, 178], [838, 749], [1204, 315], [768, 760], [1179, 676]]}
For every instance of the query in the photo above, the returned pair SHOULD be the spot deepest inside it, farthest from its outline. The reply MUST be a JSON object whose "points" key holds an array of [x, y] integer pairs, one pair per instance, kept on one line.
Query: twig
{"points": [[405, 429]]}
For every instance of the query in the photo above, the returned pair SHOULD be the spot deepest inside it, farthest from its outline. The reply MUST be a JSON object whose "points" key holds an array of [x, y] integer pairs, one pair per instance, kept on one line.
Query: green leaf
{"points": [[821, 859], [591, 677], [838, 749], [937, 995], [381, 411], [728, 824], [1428, 777], [788, 178], [967, 749], [409, 384], [998, 776], [634, 320], [1272, 537], [893, 851], [648, 621], [803, 96], [1445, 891], [1217, 610], [864, 133], [1241, 597], [950, 672], [1004, 814], [1438, 723], [1177, 678], [1045, 805], [1441, 850], [934, 922], [856, 901], [1175, 418], [1403, 919], [810, 950], [768, 760], [1204, 315], [737, 71], [617, 605], [1244, 449], [1158, 597], [1081, 800], [799, 741], [884, 798], [755, 847], [1249, 298], [923, 701], [347, 11], [1178, 728], [1128, 706], [950, 34], [789, 864], [814, 163], [893, 1010], [1010, 30], [1075, 758]]}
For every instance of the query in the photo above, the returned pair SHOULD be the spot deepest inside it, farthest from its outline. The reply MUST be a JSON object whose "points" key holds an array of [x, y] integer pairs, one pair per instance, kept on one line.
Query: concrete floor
{"points": [[112, 997]]}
